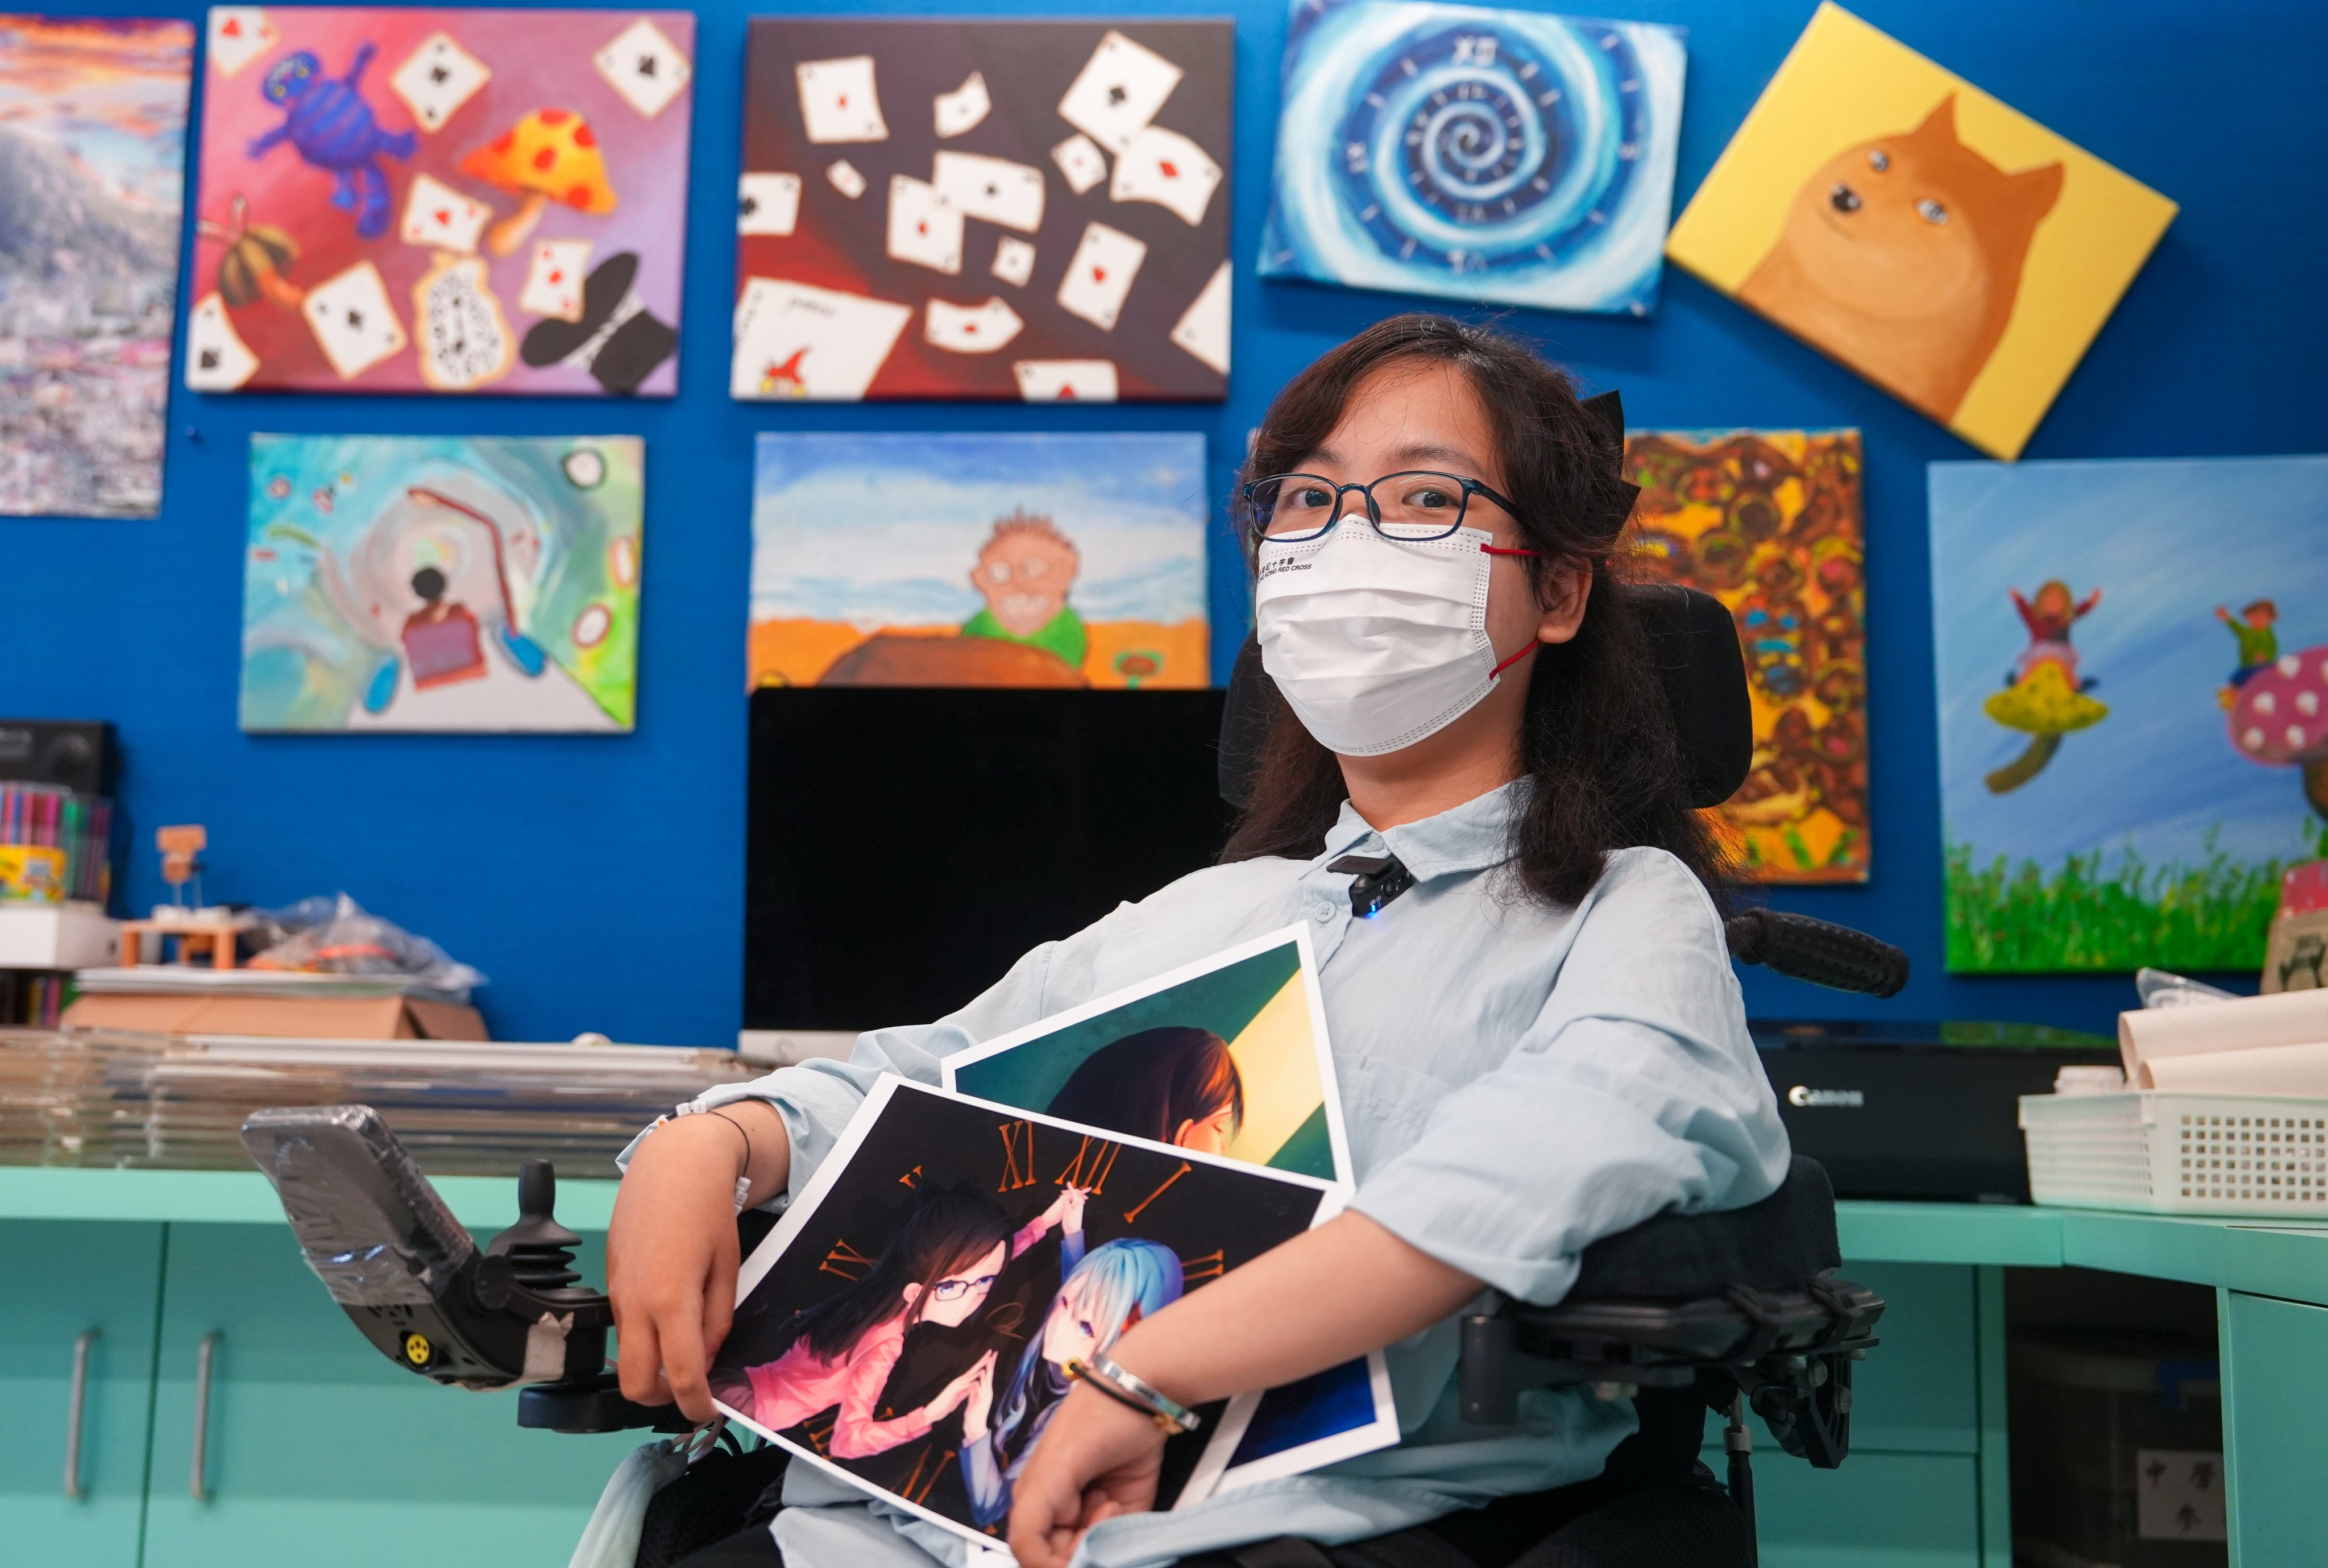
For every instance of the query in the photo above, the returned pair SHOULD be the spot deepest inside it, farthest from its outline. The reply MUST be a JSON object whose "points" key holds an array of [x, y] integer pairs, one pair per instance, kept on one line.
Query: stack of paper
{"points": [[2261, 1044], [106, 1098]]}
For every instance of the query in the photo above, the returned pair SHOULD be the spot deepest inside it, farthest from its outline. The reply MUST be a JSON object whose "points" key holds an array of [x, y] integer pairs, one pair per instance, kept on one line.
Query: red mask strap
{"points": [[1526, 648], [1492, 549]]}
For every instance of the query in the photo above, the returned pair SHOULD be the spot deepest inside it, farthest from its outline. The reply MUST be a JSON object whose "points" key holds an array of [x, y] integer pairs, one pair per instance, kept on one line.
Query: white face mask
{"points": [[1376, 643]]}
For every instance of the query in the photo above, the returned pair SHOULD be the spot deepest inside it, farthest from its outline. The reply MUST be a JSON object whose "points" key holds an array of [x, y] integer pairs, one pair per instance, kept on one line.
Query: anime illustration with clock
{"points": [[911, 1323]]}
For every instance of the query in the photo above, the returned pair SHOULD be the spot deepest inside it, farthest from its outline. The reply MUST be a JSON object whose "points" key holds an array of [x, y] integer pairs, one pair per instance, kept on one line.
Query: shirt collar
{"points": [[1470, 837]]}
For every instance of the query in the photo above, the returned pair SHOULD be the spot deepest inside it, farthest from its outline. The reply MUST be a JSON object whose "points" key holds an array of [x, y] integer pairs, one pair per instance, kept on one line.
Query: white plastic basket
{"points": [[2156, 1152]]}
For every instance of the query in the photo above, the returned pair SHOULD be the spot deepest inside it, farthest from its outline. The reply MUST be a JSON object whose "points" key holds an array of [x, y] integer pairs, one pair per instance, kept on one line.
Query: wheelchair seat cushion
{"points": [[1779, 1243]]}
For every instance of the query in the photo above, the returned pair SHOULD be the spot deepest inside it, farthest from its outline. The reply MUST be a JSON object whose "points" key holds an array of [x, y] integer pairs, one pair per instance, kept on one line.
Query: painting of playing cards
{"points": [[1769, 522], [1228, 1055], [442, 583], [92, 150], [911, 1323], [1476, 154], [1023, 209], [1058, 561], [2132, 659], [1901, 221], [441, 200]]}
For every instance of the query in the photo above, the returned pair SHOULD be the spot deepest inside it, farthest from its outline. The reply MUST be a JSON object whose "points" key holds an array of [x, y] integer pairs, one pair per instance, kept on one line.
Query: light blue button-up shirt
{"points": [[1518, 1081]]}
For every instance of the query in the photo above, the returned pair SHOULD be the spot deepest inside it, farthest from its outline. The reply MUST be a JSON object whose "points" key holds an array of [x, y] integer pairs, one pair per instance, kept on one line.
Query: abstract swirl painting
{"points": [[1476, 154]]}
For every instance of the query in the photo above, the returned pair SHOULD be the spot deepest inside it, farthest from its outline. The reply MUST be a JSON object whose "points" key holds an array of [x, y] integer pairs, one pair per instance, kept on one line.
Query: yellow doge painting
{"points": [[1902, 221]]}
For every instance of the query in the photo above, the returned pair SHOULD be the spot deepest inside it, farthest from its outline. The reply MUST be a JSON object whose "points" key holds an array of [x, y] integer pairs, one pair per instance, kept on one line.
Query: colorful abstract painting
{"points": [[454, 200], [2133, 669], [92, 152], [1024, 209], [442, 583], [1893, 216], [979, 560], [1476, 154], [1769, 522]]}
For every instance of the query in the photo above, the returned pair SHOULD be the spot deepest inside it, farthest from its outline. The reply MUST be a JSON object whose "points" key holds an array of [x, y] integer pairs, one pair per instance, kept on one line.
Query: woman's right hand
{"points": [[671, 1251]]}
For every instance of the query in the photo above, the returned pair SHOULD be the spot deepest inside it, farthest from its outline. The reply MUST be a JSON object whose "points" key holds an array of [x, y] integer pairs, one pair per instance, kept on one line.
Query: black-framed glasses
{"points": [[1416, 504], [952, 1290]]}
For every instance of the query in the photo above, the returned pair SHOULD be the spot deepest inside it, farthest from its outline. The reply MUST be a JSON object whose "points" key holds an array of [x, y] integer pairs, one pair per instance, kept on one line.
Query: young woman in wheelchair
{"points": [[1539, 1044]]}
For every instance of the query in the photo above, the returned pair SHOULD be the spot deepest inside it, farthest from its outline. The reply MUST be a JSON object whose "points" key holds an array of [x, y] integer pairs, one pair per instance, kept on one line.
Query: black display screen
{"points": [[907, 845]]}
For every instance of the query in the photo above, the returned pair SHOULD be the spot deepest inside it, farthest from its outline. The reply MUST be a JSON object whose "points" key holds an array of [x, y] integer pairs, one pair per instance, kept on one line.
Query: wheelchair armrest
{"points": [[1771, 1245], [1741, 1301]]}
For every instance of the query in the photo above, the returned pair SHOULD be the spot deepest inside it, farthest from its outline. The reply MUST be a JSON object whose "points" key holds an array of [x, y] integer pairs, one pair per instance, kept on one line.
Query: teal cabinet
{"points": [[1880, 1510], [2275, 1390], [1910, 1495], [315, 1448], [60, 1281]]}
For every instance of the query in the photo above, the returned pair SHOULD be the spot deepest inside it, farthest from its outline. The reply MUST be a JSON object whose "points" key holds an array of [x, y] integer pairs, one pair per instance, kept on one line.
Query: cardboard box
{"points": [[369, 1018]]}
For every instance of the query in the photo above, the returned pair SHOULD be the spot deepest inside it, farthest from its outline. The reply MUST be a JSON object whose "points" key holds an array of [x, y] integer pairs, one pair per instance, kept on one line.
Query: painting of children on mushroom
{"points": [[1893, 216], [2133, 669], [941, 208], [979, 560], [1769, 522], [441, 200]]}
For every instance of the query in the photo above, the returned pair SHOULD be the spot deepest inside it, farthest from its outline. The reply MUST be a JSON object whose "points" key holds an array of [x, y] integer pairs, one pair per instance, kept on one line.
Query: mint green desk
{"points": [[318, 1449]]}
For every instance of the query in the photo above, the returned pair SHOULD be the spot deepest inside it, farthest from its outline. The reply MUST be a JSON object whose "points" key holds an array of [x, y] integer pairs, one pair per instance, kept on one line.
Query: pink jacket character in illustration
{"points": [[939, 1268]]}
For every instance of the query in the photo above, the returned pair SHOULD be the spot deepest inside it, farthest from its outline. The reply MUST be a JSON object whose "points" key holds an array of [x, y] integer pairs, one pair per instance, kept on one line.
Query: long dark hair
{"points": [[1149, 1083], [1596, 738], [946, 1233]]}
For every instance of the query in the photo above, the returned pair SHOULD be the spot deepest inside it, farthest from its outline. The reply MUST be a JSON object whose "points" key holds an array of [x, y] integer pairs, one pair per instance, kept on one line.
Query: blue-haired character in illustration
{"points": [[1101, 1298], [939, 1268], [329, 125]]}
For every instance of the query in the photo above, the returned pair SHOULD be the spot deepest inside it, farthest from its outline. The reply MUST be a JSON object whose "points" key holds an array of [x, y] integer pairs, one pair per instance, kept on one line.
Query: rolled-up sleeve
{"points": [[817, 1098], [1634, 1091]]}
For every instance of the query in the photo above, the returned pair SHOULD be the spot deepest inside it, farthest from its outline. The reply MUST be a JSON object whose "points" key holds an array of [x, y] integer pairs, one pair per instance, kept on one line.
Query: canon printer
{"points": [[1917, 1110]]}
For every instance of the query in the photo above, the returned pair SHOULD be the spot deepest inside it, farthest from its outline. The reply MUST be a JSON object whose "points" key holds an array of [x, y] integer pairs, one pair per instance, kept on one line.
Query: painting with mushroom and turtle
{"points": [[442, 583], [2131, 661], [441, 200], [1769, 522], [1058, 560]]}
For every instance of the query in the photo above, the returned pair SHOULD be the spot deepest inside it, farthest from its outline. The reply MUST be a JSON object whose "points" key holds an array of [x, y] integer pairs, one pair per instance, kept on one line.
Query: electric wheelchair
{"points": [[1735, 1311]]}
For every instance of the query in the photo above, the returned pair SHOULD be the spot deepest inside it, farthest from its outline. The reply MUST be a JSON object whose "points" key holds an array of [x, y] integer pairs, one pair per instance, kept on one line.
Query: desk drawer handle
{"points": [[73, 1488], [198, 1487]]}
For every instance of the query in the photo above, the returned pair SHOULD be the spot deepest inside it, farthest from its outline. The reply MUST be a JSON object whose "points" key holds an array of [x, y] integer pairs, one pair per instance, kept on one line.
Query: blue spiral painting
{"points": [[1477, 155]]}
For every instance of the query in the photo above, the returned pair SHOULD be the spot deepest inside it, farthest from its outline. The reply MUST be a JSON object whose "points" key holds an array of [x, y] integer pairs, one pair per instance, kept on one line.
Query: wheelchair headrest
{"points": [[1692, 639]]}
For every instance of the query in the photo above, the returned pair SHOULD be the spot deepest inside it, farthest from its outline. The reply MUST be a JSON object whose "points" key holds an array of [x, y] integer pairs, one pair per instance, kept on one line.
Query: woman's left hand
{"points": [[1096, 1460]]}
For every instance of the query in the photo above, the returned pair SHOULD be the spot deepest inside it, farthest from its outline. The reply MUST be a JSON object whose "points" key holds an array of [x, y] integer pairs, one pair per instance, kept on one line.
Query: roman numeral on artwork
{"points": [[1095, 1158], [911, 1179], [1132, 1214], [845, 1261], [818, 1430], [1210, 1266], [917, 1487], [1018, 1155]]}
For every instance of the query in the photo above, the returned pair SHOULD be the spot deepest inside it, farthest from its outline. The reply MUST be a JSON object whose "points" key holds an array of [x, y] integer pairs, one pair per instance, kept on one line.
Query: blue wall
{"points": [[600, 881]]}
